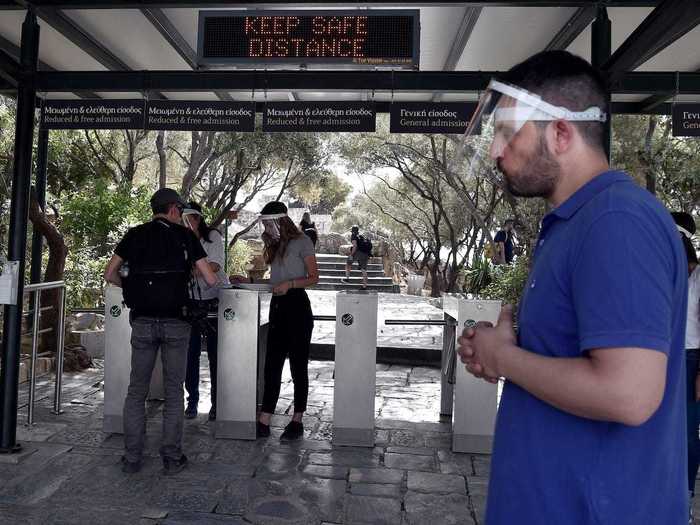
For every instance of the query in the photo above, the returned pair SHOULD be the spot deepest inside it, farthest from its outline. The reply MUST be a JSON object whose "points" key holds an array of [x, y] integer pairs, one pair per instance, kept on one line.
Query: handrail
{"points": [[37, 288], [427, 322], [50, 285]]}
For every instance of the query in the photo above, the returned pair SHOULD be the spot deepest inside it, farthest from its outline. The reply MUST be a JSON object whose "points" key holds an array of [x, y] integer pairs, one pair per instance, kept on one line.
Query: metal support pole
{"points": [[226, 246], [60, 349], [35, 351], [601, 45], [40, 185], [448, 358], [12, 323]]}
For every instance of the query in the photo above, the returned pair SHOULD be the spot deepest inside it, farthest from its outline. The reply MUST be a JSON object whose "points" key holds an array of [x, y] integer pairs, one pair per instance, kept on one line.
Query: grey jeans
{"points": [[148, 335]]}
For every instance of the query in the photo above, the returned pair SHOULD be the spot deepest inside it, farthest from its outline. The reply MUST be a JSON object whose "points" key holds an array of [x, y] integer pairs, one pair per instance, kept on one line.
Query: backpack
{"points": [[364, 244], [157, 285]]}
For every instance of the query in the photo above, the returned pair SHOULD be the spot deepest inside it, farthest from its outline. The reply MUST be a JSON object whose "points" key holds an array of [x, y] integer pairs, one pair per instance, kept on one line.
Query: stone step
{"points": [[335, 279], [341, 266], [353, 273], [371, 287], [335, 258]]}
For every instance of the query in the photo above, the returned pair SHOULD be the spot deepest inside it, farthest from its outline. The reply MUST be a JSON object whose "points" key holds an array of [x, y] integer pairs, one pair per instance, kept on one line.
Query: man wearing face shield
{"points": [[590, 427]]}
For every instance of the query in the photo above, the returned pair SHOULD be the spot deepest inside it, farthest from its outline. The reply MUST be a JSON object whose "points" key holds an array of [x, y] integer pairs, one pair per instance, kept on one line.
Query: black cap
{"points": [[273, 208], [165, 196], [685, 221]]}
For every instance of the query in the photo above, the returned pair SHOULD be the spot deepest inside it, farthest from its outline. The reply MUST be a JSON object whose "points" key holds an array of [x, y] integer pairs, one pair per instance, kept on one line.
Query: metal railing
{"points": [[36, 289]]}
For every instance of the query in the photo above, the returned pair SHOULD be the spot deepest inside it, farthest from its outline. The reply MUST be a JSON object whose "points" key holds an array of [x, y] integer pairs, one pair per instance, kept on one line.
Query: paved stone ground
{"points": [[409, 477]]}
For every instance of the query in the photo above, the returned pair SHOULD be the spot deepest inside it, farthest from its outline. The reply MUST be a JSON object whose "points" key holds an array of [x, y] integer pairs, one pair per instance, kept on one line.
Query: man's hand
{"points": [[237, 279], [481, 346]]}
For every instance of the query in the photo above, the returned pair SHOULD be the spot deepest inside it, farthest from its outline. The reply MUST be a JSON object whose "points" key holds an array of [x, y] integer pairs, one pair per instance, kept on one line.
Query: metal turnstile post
{"points": [[447, 366], [355, 369], [475, 399], [118, 362], [237, 365]]}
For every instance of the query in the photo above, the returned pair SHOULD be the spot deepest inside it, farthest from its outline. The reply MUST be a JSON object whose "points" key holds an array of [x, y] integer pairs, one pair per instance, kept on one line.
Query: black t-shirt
{"points": [[309, 228], [507, 239], [160, 255]]}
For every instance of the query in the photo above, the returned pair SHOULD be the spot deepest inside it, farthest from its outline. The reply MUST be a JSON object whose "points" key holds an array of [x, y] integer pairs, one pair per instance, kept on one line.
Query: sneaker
{"points": [[173, 466], [191, 411], [212, 414], [262, 430], [345, 280], [130, 467], [294, 430]]}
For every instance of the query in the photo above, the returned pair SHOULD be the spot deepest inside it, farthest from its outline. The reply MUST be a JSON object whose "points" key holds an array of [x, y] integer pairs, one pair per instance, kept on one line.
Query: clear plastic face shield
{"points": [[271, 225], [502, 113], [191, 218]]}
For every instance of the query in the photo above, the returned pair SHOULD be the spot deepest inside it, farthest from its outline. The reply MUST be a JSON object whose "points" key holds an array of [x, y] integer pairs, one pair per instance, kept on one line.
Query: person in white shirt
{"points": [[204, 300], [686, 228]]}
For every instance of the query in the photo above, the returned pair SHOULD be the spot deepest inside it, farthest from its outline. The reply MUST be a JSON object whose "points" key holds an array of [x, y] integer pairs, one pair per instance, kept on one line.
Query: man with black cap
{"points": [[153, 264]]}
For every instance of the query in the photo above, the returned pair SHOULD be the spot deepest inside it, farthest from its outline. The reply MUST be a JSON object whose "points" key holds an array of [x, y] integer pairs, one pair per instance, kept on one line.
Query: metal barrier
{"points": [[36, 289]]}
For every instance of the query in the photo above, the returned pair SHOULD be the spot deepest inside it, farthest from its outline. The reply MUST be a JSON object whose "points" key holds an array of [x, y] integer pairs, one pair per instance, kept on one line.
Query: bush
{"points": [[83, 276], [478, 276], [239, 256], [507, 282]]}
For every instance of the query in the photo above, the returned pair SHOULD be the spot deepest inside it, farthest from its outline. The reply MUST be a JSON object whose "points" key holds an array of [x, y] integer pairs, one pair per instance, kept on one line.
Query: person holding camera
{"points": [[204, 300], [293, 267], [153, 263]]}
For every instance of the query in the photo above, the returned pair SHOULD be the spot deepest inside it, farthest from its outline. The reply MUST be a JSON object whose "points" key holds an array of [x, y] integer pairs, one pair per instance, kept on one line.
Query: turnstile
{"points": [[475, 400], [117, 363], [355, 368], [241, 347]]}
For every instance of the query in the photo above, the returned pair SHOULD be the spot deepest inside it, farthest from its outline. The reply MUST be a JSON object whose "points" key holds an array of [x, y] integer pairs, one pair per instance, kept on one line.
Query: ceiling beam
{"points": [[315, 80], [9, 69], [578, 22], [69, 29], [459, 44], [651, 104], [170, 33], [665, 24], [138, 4], [14, 52], [74, 33]]}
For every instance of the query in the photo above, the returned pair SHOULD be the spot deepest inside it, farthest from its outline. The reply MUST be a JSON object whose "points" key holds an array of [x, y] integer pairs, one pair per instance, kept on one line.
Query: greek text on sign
{"points": [[348, 37], [92, 114], [427, 117], [179, 115], [319, 116], [686, 120]]}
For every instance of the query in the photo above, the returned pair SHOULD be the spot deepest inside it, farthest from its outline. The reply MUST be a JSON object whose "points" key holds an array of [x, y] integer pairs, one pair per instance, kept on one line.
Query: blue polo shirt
{"points": [[608, 271]]}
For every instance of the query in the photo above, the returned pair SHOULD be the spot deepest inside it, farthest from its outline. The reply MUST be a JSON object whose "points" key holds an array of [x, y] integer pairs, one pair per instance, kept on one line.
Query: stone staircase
{"points": [[332, 270]]}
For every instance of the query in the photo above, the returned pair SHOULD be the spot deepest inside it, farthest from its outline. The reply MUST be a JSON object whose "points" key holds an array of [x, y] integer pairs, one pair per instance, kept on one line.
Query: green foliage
{"points": [[239, 256], [83, 276], [507, 282], [478, 277], [323, 193], [98, 218]]}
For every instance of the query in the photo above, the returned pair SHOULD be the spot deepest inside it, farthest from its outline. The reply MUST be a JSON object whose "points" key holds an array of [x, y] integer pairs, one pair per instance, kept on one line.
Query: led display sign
{"points": [[352, 38]]}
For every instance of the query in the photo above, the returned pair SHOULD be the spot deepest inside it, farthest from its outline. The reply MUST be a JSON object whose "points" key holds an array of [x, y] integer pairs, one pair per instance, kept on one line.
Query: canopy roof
{"points": [[152, 43]]}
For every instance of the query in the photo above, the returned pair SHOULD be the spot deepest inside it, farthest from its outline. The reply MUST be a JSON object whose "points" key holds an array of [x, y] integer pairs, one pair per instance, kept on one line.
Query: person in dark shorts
{"points": [[359, 253], [153, 264]]}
